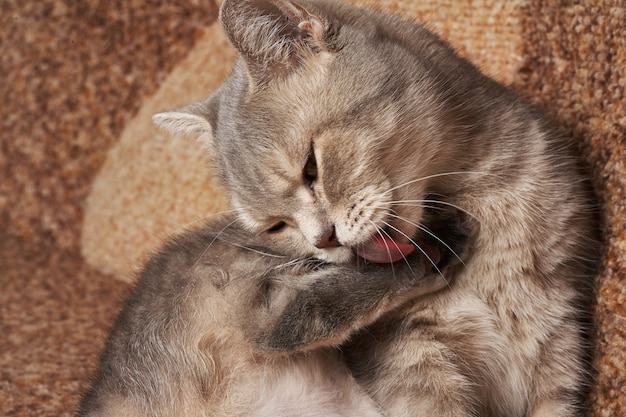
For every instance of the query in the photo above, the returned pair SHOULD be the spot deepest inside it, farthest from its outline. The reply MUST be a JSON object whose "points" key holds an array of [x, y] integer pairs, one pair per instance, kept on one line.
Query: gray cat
{"points": [[220, 325], [338, 127]]}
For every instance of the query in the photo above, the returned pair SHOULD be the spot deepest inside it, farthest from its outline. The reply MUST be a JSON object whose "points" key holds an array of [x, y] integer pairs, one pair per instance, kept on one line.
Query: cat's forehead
{"points": [[292, 128], [327, 86]]}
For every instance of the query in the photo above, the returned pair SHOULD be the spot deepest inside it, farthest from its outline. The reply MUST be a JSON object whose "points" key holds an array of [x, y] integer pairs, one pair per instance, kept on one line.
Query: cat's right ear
{"points": [[275, 37], [195, 120]]}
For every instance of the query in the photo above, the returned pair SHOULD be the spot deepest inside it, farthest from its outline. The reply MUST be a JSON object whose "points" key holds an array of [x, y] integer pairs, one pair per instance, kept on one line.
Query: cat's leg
{"points": [[430, 385], [324, 307], [411, 372], [558, 381]]}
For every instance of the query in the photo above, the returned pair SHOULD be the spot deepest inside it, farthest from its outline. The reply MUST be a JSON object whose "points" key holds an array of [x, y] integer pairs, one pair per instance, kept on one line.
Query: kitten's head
{"points": [[309, 134]]}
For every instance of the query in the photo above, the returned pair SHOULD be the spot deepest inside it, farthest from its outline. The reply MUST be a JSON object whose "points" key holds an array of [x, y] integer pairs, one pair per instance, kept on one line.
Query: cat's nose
{"points": [[328, 240]]}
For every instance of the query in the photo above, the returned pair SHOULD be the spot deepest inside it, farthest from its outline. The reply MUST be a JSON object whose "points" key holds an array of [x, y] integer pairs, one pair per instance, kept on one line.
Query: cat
{"points": [[221, 325], [338, 126]]}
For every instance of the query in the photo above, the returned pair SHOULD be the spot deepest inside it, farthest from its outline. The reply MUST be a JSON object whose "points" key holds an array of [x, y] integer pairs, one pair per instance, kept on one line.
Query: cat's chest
{"points": [[316, 384]]}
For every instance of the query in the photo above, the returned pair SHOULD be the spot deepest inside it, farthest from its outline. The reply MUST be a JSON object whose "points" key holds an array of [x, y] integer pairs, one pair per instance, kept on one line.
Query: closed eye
{"points": [[277, 227]]}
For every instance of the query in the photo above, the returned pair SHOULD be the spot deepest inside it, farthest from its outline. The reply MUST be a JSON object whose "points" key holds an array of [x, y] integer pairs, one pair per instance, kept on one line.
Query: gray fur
{"points": [[220, 325], [395, 120]]}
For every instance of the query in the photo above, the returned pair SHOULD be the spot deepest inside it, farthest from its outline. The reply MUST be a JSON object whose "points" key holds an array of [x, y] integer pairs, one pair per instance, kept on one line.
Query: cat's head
{"points": [[310, 134]]}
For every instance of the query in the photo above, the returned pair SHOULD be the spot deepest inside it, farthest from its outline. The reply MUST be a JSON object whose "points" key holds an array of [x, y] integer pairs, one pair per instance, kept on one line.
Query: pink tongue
{"points": [[383, 250]]}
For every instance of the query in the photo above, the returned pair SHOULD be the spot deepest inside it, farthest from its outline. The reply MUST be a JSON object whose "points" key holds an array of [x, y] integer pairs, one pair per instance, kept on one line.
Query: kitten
{"points": [[220, 325], [337, 126]]}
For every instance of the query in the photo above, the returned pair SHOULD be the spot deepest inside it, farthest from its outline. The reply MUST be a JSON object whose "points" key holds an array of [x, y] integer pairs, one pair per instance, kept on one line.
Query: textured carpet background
{"points": [[72, 74], [88, 186], [576, 70]]}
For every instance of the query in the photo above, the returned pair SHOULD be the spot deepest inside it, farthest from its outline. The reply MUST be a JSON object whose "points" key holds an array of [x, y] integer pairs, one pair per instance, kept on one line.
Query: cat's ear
{"points": [[195, 120], [274, 37]]}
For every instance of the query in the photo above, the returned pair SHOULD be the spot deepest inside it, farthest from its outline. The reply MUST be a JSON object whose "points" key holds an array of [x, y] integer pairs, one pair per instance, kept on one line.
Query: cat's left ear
{"points": [[274, 37], [196, 120]]}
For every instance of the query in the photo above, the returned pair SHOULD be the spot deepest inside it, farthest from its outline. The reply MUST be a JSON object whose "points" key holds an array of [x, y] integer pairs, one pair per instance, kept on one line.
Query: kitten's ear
{"points": [[273, 36], [195, 120]]}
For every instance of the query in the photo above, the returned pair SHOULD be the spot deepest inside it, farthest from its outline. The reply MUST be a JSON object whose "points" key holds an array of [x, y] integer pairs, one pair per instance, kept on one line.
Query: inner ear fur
{"points": [[274, 37], [196, 120]]}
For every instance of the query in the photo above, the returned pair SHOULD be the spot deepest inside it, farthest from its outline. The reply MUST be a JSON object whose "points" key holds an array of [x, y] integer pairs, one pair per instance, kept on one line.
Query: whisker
{"points": [[421, 250], [309, 262], [411, 203], [380, 233], [430, 233], [396, 245], [216, 237], [444, 203], [237, 245], [443, 174]]}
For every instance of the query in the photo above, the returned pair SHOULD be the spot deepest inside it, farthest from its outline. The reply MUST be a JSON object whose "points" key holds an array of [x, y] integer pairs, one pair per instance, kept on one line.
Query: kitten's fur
{"points": [[339, 121], [220, 325]]}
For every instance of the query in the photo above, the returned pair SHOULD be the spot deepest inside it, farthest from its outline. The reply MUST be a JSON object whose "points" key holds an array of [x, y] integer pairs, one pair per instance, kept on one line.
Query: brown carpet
{"points": [[73, 74], [56, 312]]}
